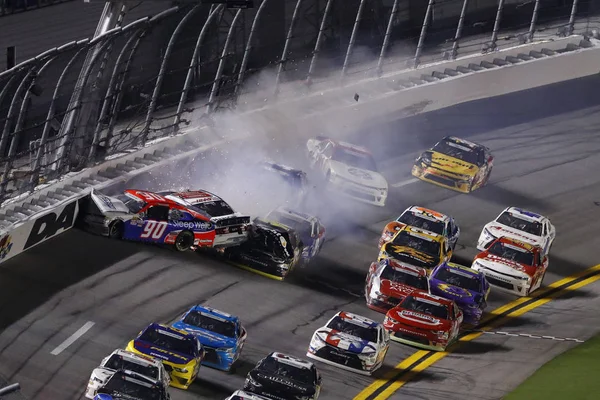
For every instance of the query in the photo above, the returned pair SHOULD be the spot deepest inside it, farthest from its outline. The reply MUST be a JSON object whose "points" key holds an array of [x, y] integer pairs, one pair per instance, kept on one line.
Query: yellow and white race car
{"points": [[455, 164]]}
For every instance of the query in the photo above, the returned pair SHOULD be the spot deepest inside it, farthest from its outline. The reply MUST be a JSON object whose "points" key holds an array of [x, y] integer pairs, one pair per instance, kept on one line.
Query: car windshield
{"points": [[418, 243], [513, 253], [402, 277], [204, 321], [302, 227], [425, 307], [116, 362], [354, 158], [363, 332], [214, 208], [272, 366], [169, 341], [121, 386], [418, 221], [457, 150], [531, 227], [133, 205], [456, 278]]}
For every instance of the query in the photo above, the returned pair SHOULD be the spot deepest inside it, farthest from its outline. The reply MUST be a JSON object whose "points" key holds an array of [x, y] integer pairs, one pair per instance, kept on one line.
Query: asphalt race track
{"points": [[545, 142]]}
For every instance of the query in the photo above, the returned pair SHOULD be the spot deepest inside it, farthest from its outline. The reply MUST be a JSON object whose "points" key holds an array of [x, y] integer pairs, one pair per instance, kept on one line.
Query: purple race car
{"points": [[467, 287]]}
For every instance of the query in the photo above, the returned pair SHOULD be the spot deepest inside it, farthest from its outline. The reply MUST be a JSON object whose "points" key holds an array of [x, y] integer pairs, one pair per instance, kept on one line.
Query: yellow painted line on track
{"points": [[406, 370]]}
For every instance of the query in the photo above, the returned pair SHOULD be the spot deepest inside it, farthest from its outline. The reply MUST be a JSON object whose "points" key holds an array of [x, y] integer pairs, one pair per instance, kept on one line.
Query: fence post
{"points": [[286, 46], [219, 74], [317, 48], [572, 18], [193, 66], [352, 38], [459, 28], [423, 32], [534, 17], [162, 71], [497, 25], [386, 39], [51, 110], [5, 91], [249, 45]]}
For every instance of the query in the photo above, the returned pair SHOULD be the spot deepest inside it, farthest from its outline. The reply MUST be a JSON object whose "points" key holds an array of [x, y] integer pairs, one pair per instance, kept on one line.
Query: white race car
{"points": [[125, 360], [351, 342], [241, 395], [519, 224], [348, 169]]}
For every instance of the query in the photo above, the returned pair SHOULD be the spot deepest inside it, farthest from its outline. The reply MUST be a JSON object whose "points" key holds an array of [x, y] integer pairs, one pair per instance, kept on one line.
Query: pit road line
{"points": [[71, 339], [406, 370]]}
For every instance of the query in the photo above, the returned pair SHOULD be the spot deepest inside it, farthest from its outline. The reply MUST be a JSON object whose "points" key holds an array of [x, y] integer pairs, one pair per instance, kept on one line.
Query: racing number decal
{"points": [[360, 174], [151, 196], [153, 230]]}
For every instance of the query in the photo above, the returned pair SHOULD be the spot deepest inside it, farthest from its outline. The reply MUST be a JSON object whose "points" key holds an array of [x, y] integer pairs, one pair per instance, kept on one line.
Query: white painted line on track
{"points": [[527, 335], [404, 183], [71, 339]]}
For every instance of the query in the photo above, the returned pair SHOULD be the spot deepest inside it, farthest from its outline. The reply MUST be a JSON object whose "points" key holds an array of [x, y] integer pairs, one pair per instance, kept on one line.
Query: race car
{"points": [[222, 335], [150, 217], [512, 266], [350, 342], [390, 281], [348, 169], [231, 227], [426, 219], [124, 360], [468, 288], [424, 320], [180, 352], [295, 182], [455, 164], [416, 247], [125, 384], [519, 224], [272, 250], [282, 376], [241, 395], [309, 228]]}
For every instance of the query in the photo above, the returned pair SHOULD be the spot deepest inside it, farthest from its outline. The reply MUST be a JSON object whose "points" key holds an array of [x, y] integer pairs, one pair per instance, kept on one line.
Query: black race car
{"points": [[284, 377], [272, 250], [130, 385]]}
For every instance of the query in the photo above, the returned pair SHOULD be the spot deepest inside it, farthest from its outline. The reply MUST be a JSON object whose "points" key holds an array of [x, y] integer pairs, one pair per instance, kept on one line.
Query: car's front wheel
{"points": [[184, 241], [116, 229]]}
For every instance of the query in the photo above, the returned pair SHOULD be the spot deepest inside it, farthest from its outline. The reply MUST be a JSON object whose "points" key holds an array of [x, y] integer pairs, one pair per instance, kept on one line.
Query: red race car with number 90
{"points": [[183, 219]]}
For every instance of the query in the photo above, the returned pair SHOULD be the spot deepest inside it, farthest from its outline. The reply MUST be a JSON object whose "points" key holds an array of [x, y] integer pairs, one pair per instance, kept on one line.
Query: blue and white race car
{"points": [[295, 182], [351, 342], [309, 228], [222, 335]]}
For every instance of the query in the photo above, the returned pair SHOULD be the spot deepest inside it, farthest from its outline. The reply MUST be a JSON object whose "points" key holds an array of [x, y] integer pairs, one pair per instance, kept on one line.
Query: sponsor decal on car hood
{"points": [[505, 266], [419, 320], [359, 176], [207, 338], [162, 354], [345, 341], [275, 379], [454, 165], [394, 289], [456, 293], [499, 230]]}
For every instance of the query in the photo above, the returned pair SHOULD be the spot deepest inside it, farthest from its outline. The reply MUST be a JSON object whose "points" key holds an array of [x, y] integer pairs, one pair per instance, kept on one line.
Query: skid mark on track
{"points": [[530, 336], [321, 314]]}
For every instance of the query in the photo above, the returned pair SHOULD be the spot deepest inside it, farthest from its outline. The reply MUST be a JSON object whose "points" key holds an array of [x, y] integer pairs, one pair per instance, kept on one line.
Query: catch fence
{"points": [[74, 106]]}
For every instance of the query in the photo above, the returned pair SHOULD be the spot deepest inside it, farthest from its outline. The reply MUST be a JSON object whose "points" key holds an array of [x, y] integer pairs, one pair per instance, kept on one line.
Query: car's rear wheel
{"points": [[184, 241], [116, 229]]}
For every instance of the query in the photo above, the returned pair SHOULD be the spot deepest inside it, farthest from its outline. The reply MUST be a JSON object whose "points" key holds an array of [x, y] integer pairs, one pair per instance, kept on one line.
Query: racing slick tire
{"points": [[487, 177], [184, 241], [116, 229]]}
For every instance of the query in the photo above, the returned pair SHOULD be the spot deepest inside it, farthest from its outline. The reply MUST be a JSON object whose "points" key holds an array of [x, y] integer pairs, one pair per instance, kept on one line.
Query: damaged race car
{"points": [[512, 266], [294, 181], [144, 216], [348, 169], [467, 287], [426, 219], [389, 281], [309, 228], [455, 164], [272, 250], [424, 320]]}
